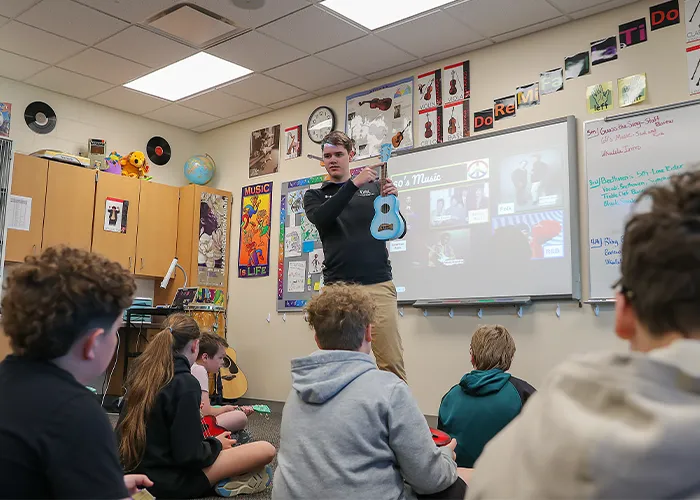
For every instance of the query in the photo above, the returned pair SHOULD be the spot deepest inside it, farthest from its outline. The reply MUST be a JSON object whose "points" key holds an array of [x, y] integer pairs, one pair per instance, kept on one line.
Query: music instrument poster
{"points": [[693, 55], [430, 126], [382, 114], [455, 121], [456, 83], [429, 89], [254, 246], [293, 140]]}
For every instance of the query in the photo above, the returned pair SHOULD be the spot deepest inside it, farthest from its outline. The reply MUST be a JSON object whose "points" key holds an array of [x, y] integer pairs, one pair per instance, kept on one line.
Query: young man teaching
{"points": [[342, 211]]}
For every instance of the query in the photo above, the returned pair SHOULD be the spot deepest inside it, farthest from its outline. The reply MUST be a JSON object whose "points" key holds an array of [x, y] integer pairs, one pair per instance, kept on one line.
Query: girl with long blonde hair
{"points": [[160, 431]]}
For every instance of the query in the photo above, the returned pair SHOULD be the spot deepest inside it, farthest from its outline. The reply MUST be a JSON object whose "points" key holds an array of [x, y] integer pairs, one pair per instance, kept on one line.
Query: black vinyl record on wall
{"points": [[158, 150], [40, 117]]}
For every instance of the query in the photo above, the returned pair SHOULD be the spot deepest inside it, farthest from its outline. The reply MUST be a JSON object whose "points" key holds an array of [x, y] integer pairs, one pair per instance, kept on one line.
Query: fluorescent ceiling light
{"points": [[373, 14], [190, 76]]}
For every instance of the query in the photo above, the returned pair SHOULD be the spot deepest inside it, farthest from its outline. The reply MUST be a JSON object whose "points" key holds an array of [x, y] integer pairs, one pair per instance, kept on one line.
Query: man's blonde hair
{"points": [[492, 346]]}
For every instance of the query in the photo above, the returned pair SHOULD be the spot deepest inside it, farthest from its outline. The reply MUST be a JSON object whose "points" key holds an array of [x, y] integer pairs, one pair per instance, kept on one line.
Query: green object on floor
{"points": [[94, 391], [261, 408]]}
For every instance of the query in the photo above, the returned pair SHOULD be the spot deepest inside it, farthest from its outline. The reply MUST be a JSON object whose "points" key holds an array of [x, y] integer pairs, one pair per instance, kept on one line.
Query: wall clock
{"points": [[321, 123]]}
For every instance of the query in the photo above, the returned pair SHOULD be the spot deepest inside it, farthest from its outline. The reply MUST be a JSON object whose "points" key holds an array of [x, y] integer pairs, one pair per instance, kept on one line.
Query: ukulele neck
{"points": [[382, 175]]}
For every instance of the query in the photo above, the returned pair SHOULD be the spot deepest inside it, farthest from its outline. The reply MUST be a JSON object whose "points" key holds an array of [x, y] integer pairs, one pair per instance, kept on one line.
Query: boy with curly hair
{"points": [[61, 311], [350, 430]]}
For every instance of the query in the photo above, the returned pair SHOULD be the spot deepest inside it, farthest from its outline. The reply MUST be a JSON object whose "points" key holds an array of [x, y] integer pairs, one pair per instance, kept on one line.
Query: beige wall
{"points": [[437, 347]]}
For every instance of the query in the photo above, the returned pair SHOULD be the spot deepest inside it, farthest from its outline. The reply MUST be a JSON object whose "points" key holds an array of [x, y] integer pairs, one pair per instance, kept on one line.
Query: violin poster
{"points": [[429, 126], [293, 139], [455, 121], [382, 114], [456, 83], [254, 245], [429, 90]]}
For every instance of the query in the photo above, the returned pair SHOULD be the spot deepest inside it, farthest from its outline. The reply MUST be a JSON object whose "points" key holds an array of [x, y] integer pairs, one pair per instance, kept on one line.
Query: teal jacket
{"points": [[476, 409]]}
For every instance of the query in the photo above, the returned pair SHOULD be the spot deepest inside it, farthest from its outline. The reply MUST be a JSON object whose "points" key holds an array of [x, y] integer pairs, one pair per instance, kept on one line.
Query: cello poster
{"points": [[254, 245], [456, 83], [382, 114], [429, 126]]}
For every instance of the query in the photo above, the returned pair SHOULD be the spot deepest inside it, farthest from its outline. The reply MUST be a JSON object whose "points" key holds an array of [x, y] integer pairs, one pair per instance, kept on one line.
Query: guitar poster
{"points": [[254, 246], [456, 83], [379, 115], [293, 141], [429, 89], [455, 121], [430, 126]]}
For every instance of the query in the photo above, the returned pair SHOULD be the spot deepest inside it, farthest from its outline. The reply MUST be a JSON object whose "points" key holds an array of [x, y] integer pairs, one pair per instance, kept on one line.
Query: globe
{"points": [[200, 169]]}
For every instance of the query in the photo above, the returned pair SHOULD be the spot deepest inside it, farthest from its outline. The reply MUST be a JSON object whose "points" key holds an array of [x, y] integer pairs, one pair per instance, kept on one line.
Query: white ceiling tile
{"points": [[310, 74], [312, 30], [12, 8], [213, 125], [68, 82], [139, 45], [487, 16], [134, 11], [72, 20], [4, 20], [219, 104], [180, 116], [574, 5], [292, 101], [459, 51], [374, 55], [597, 9], [530, 29], [104, 66], [452, 34], [256, 51], [250, 114], [18, 67], [35, 43], [252, 18], [395, 70], [341, 86], [262, 89], [129, 101]]}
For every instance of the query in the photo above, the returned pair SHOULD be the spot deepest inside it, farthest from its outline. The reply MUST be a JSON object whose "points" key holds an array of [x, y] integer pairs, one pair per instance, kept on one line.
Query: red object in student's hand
{"points": [[210, 427], [440, 438]]}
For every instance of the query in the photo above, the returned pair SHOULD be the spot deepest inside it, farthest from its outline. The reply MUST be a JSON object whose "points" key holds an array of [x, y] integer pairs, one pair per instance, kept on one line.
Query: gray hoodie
{"points": [[352, 431], [622, 426]]}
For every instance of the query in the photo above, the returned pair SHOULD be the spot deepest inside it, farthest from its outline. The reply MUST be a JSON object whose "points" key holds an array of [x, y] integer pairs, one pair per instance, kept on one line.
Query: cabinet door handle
{"points": [[129, 263], [33, 249], [141, 262]]}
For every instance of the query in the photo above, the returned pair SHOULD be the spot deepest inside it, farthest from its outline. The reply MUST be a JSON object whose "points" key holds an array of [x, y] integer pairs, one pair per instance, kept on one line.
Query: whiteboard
{"points": [[490, 216], [624, 154]]}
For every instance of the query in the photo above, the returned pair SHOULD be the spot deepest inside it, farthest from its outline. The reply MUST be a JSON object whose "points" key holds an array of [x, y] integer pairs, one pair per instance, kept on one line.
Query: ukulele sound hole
{"points": [[385, 208]]}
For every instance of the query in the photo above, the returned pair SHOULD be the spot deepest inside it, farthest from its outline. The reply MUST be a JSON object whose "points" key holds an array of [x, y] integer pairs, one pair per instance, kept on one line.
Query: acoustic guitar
{"points": [[377, 103], [231, 381], [398, 138], [388, 223]]}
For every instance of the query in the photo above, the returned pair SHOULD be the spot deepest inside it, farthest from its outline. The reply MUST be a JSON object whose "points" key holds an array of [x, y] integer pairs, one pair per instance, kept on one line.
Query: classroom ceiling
{"points": [[297, 49]]}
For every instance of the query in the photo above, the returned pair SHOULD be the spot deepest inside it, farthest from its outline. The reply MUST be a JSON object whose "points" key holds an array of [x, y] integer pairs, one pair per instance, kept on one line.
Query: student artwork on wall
{"points": [[455, 121], [292, 137], [632, 90], [599, 97], [483, 120], [693, 55], [692, 20], [264, 151], [633, 33], [456, 83], [577, 65], [116, 212], [504, 107], [5, 117], [213, 221], [604, 50], [430, 126], [375, 116], [429, 90], [528, 95], [551, 81], [664, 15], [254, 246]]}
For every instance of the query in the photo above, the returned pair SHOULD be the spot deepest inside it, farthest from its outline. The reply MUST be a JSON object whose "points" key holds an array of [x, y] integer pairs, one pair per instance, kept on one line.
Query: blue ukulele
{"points": [[388, 223]]}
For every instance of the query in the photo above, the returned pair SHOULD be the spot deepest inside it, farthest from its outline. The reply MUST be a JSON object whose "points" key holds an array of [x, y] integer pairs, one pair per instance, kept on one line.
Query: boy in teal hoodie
{"points": [[487, 398]]}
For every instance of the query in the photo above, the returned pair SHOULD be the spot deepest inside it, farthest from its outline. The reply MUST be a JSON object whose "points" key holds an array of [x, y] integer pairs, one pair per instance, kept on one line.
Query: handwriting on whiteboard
{"points": [[605, 129], [611, 249], [625, 189]]}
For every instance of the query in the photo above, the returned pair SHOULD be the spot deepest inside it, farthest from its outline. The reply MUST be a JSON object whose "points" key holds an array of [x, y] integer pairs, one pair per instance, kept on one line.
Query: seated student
{"points": [[160, 429], [621, 425], [212, 350], [487, 398], [61, 311], [350, 430]]}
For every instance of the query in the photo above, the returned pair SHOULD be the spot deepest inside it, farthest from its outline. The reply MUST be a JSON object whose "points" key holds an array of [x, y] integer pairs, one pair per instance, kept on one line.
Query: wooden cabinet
{"points": [[117, 246], [156, 242], [70, 202], [28, 180]]}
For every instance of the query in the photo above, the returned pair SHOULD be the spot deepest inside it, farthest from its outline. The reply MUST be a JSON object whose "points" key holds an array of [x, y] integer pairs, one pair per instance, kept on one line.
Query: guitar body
{"points": [[210, 427], [397, 139], [388, 223], [234, 383]]}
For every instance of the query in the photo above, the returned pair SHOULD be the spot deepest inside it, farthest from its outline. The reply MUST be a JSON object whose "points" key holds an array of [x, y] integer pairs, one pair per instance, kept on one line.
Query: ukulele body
{"points": [[440, 438], [388, 223], [210, 427]]}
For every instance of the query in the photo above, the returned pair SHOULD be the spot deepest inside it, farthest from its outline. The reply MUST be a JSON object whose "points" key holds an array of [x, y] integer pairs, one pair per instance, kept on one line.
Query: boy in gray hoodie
{"points": [[348, 429]]}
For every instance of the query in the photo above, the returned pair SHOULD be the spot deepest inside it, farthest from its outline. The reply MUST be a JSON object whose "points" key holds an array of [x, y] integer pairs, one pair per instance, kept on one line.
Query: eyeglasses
{"points": [[626, 292]]}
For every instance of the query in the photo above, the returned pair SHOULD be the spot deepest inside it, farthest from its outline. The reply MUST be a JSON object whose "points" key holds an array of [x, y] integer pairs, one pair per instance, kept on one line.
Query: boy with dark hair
{"points": [[61, 311], [350, 430], [621, 425], [487, 398]]}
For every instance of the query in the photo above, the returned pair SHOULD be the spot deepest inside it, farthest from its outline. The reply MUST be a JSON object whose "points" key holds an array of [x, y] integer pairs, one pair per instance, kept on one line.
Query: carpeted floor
{"points": [[263, 428]]}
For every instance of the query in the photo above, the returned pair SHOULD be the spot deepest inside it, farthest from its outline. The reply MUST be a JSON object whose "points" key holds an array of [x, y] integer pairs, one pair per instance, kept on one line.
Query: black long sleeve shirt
{"points": [[342, 213]]}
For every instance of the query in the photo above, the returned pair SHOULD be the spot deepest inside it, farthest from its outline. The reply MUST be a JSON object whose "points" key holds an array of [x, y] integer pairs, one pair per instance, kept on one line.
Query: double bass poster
{"points": [[382, 114]]}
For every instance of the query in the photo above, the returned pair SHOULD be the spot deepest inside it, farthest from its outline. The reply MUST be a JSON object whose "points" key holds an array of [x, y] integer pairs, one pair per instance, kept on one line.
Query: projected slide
{"points": [[485, 227]]}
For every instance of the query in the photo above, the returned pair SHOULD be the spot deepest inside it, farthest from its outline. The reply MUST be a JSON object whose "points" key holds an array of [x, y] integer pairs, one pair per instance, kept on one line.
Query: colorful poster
{"points": [[264, 151], [551, 81], [293, 140], [456, 83], [664, 15], [308, 230], [375, 116], [483, 120], [5, 117], [599, 97], [116, 212], [430, 126], [456, 121], [692, 21], [254, 246], [528, 95], [211, 253], [632, 89], [316, 261], [293, 242], [429, 90], [577, 65], [604, 50], [633, 32], [504, 107], [693, 54]]}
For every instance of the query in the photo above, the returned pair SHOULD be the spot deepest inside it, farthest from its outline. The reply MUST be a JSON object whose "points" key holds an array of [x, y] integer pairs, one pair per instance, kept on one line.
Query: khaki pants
{"points": [[386, 341]]}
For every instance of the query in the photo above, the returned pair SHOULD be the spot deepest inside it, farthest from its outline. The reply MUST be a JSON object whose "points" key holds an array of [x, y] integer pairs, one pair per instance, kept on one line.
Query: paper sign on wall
{"points": [[692, 20], [693, 54], [116, 215], [19, 212], [599, 97], [632, 89]]}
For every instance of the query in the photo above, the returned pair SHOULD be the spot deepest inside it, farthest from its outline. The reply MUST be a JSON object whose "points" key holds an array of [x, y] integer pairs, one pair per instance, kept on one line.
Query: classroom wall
{"points": [[80, 120], [436, 347]]}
